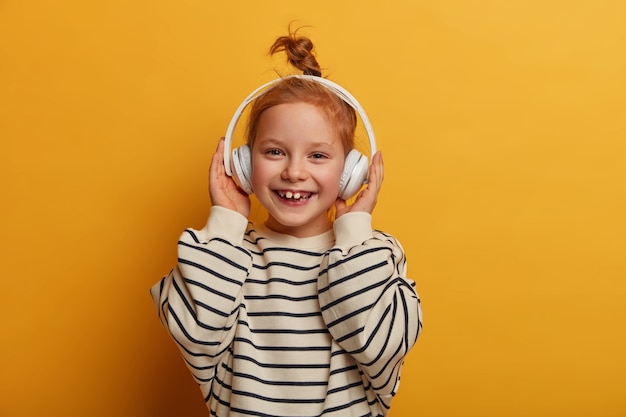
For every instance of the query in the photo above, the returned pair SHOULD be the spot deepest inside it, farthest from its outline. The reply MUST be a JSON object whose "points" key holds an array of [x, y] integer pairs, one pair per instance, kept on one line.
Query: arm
{"points": [[198, 301], [371, 309]]}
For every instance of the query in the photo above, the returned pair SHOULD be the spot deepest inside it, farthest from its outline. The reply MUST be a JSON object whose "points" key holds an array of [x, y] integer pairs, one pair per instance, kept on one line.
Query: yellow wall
{"points": [[503, 125]]}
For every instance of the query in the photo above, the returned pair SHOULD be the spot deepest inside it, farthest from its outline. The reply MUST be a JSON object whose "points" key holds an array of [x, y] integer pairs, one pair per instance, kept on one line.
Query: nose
{"points": [[295, 170]]}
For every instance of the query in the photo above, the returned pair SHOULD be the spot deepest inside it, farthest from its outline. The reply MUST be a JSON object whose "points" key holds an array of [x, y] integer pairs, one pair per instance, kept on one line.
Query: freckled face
{"points": [[297, 160]]}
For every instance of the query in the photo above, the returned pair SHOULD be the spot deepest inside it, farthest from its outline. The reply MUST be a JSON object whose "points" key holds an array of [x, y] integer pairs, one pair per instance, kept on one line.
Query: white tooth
{"points": [[296, 196], [288, 194]]}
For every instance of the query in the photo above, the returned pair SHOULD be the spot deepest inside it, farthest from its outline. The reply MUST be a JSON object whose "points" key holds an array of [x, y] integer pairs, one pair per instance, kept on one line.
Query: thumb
{"points": [[340, 206]]}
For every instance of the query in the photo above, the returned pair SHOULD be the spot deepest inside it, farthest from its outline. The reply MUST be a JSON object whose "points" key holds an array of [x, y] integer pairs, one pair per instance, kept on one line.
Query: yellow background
{"points": [[503, 128]]}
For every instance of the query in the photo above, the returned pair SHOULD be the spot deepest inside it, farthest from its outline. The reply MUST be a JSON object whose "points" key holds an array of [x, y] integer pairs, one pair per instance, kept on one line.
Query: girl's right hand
{"points": [[223, 190]]}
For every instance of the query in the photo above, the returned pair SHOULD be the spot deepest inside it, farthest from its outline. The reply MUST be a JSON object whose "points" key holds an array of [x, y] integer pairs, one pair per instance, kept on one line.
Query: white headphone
{"points": [[356, 166]]}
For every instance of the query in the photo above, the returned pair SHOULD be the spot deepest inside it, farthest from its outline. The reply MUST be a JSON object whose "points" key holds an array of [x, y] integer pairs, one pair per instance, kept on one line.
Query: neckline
{"points": [[322, 241]]}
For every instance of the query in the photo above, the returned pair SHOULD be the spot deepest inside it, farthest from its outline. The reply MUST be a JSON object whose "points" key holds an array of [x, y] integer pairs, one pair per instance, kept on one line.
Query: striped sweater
{"points": [[274, 325]]}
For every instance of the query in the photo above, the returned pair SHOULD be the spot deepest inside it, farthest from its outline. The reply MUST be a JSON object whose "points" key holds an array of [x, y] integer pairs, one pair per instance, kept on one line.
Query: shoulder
{"points": [[386, 236]]}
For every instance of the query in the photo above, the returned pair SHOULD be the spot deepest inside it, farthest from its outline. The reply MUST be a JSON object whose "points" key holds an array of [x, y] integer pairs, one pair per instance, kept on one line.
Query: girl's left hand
{"points": [[367, 198]]}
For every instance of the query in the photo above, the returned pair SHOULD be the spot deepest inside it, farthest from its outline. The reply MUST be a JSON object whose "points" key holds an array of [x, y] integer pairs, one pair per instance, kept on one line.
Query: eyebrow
{"points": [[276, 142]]}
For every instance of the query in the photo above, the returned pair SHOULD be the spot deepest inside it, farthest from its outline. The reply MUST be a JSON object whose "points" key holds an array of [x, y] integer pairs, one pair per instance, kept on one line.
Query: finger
{"points": [[376, 173], [217, 161], [381, 169], [340, 204]]}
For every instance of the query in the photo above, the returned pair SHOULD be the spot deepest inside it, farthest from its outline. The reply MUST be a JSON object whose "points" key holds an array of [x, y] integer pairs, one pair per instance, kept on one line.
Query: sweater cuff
{"points": [[226, 224], [352, 229]]}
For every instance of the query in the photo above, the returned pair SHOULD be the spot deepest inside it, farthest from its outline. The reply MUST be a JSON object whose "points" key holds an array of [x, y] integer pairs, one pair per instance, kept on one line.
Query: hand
{"points": [[223, 190], [367, 198]]}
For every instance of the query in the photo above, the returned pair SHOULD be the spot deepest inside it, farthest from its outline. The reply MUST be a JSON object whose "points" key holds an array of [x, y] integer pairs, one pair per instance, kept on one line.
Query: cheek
{"points": [[263, 172], [259, 173], [331, 177]]}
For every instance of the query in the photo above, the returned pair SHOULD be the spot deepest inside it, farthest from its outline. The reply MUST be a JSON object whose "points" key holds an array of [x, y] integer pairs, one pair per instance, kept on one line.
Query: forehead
{"points": [[297, 123]]}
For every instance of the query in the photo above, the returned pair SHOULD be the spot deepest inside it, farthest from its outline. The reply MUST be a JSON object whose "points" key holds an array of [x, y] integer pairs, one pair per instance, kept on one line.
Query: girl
{"points": [[302, 315]]}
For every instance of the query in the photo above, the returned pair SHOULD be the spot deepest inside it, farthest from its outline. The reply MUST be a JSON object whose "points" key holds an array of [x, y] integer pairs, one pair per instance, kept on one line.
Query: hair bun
{"points": [[300, 53]]}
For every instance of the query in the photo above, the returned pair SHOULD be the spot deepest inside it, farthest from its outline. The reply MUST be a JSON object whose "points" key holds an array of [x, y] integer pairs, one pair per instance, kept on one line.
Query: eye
{"points": [[318, 155], [273, 152]]}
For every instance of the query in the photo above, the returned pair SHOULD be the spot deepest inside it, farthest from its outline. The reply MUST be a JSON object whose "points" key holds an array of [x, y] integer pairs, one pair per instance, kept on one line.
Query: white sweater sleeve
{"points": [[198, 301], [371, 309]]}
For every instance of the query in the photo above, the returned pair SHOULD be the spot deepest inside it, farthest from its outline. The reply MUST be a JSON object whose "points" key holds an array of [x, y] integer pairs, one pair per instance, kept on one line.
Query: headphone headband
{"points": [[341, 92]]}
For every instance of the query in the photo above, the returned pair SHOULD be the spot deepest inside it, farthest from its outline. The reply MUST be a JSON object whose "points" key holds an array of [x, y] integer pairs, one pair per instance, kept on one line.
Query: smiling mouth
{"points": [[294, 195]]}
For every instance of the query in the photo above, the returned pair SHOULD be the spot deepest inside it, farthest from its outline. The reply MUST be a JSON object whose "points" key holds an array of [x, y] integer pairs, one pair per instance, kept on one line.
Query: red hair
{"points": [[299, 50]]}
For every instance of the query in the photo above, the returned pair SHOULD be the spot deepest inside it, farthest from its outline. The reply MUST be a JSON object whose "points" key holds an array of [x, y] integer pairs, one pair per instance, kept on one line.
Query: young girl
{"points": [[302, 315]]}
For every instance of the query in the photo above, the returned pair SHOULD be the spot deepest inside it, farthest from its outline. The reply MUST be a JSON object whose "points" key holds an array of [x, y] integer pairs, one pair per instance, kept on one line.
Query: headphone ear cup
{"points": [[241, 166], [354, 174]]}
